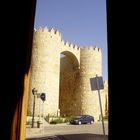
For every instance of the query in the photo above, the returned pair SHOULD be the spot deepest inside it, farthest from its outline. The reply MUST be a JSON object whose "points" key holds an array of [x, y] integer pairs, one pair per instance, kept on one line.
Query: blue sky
{"points": [[81, 22]]}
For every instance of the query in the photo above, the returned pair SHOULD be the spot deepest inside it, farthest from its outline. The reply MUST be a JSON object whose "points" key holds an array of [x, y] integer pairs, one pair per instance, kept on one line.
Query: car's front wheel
{"points": [[79, 122]]}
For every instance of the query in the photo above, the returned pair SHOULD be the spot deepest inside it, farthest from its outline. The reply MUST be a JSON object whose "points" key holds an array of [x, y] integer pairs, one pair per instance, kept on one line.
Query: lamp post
{"points": [[34, 91]]}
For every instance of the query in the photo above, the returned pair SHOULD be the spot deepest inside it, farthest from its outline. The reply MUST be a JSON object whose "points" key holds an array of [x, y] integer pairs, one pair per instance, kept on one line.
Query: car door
{"points": [[85, 119]]}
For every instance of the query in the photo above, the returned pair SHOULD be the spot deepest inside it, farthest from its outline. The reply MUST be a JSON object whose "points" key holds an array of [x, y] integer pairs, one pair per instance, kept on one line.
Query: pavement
{"points": [[38, 134]]}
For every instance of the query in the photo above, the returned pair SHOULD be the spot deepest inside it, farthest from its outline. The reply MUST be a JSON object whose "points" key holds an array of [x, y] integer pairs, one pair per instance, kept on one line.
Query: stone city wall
{"points": [[62, 71]]}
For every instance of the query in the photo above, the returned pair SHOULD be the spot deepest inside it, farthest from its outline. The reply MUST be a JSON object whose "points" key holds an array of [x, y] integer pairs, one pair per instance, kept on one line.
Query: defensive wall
{"points": [[63, 70]]}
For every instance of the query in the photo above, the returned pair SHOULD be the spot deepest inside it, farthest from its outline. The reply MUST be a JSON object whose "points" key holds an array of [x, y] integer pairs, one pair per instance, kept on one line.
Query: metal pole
{"points": [[43, 117], [33, 112], [39, 111], [100, 107]]}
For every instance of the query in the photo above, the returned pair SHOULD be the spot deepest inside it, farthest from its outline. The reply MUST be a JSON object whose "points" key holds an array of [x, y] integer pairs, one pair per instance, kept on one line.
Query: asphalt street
{"points": [[68, 132]]}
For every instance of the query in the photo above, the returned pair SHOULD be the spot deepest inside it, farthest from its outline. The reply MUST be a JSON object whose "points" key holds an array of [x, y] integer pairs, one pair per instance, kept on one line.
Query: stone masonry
{"points": [[63, 71]]}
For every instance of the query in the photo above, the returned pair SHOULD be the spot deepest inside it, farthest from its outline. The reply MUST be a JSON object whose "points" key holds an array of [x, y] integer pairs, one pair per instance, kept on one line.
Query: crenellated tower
{"points": [[45, 69], [90, 65]]}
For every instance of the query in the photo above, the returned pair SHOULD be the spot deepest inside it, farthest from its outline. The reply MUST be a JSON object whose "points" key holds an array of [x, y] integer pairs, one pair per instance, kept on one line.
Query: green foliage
{"points": [[29, 113], [68, 119], [53, 122], [56, 121], [27, 123], [47, 118]]}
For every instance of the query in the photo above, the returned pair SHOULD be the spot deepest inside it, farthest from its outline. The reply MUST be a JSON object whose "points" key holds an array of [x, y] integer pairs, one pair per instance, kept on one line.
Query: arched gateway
{"points": [[62, 70]]}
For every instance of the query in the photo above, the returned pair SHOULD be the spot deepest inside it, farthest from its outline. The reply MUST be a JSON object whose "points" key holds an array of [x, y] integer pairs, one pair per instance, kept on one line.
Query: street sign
{"points": [[96, 83], [34, 91], [43, 96]]}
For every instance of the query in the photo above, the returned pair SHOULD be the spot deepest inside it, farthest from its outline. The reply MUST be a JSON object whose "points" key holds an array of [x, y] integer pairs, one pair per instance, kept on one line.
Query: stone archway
{"points": [[69, 73]]}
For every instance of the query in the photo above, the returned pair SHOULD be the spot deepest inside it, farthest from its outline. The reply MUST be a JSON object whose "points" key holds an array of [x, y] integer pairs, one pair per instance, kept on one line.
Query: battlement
{"points": [[91, 48], [46, 30], [53, 32], [84, 48], [69, 45]]}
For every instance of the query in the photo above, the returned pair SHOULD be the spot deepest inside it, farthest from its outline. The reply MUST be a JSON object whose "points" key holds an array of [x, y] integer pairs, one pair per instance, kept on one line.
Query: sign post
{"points": [[34, 91], [97, 84], [43, 117], [43, 98]]}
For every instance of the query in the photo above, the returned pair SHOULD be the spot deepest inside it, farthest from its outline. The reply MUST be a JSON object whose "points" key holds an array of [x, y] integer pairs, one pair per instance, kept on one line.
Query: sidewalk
{"points": [[38, 132]]}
